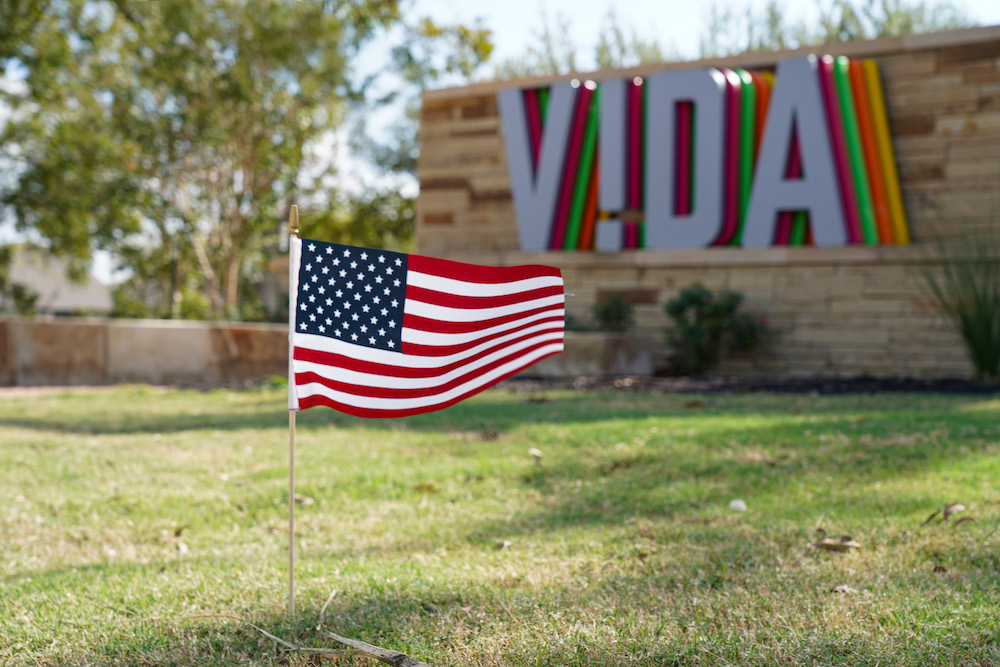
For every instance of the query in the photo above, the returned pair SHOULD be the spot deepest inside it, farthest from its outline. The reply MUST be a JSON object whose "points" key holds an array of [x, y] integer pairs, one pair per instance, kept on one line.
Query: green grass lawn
{"points": [[135, 523]]}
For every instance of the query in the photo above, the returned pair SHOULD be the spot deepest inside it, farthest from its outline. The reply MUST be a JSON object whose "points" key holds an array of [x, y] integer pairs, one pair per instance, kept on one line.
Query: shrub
{"points": [[613, 314], [706, 324], [963, 281], [14, 297]]}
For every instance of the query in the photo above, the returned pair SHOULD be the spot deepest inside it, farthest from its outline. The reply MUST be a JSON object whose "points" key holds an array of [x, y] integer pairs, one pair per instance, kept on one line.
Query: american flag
{"points": [[376, 333]]}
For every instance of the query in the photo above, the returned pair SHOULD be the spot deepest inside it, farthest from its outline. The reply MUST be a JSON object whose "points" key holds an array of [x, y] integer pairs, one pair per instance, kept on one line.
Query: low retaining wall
{"points": [[91, 351], [84, 351]]}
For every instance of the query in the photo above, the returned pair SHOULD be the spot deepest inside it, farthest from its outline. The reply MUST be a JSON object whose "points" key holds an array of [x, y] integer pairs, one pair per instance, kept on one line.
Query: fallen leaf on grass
{"points": [[952, 509], [844, 588], [694, 403], [940, 569], [841, 544]]}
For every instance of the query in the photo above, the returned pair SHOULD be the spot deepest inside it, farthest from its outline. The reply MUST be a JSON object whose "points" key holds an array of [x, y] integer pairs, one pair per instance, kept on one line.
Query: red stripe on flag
{"points": [[474, 273]]}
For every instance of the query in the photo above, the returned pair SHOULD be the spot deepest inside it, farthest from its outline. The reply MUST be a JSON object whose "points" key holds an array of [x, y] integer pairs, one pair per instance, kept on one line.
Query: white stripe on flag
{"points": [[449, 314], [464, 288]]}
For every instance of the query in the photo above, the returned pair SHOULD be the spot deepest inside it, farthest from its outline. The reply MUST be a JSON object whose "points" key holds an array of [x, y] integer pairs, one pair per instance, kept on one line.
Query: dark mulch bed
{"points": [[723, 385]]}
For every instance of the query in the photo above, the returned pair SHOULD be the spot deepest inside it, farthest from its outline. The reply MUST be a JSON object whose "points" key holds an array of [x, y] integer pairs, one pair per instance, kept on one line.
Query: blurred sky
{"points": [[676, 26]]}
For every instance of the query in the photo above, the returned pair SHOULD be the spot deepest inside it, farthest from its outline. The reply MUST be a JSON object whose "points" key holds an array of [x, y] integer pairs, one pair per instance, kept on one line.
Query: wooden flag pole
{"points": [[293, 232], [291, 514]]}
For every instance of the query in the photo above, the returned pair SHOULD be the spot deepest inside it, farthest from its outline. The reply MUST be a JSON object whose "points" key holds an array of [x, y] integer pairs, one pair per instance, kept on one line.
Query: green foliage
{"points": [[618, 44], [553, 53], [374, 218], [275, 382], [573, 323], [19, 20], [126, 305], [963, 280], [847, 20], [169, 132], [14, 297], [706, 324], [613, 313], [730, 32], [382, 215], [621, 46]]}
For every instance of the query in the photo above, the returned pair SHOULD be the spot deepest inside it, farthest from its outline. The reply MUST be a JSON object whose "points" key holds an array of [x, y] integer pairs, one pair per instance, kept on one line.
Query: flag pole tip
{"points": [[293, 220]]}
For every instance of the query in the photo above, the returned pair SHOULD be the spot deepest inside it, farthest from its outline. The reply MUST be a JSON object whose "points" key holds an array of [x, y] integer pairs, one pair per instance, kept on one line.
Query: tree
{"points": [[15, 298], [617, 45], [732, 32], [847, 20], [382, 212], [621, 46], [19, 19], [173, 133]]}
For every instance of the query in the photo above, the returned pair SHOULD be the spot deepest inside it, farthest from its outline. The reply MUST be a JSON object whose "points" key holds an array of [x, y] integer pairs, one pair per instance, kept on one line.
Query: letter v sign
{"points": [[536, 189]]}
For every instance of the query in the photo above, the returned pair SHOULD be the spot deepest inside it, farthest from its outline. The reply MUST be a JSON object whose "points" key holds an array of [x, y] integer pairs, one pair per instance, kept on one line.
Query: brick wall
{"points": [[840, 311], [95, 351]]}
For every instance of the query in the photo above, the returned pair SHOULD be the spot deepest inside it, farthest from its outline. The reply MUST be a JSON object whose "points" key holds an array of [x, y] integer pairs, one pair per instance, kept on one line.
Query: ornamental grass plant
{"points": [[962, 278]]}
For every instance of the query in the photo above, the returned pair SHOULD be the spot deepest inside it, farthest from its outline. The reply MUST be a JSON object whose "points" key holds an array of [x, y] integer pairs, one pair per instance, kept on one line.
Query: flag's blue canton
{"points": [[351, 294]]}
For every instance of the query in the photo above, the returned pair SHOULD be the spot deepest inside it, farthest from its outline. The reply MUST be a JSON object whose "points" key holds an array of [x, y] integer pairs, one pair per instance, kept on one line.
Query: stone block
{"points": [[162, 352], [60, 352], [598, 354]]}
